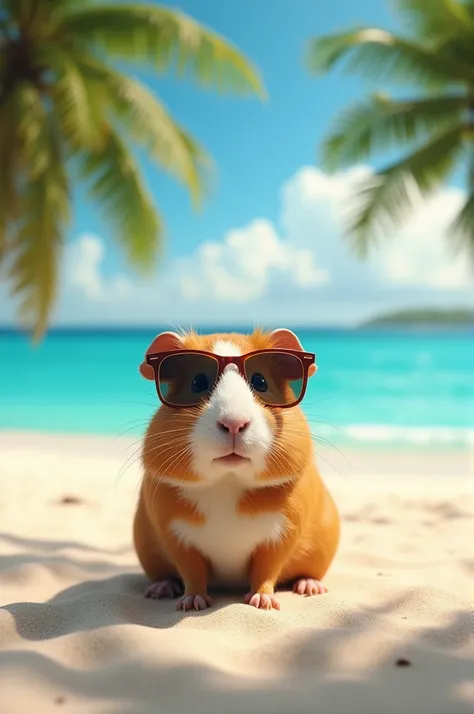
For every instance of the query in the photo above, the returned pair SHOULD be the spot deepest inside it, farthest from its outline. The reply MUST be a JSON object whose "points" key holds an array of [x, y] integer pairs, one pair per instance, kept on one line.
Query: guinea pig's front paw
{"points": [[262, 601], [193, 602], [309, 586]]}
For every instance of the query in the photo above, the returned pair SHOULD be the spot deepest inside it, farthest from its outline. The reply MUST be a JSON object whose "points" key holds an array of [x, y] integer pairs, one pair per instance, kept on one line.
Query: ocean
{"points": [[389, 387]]}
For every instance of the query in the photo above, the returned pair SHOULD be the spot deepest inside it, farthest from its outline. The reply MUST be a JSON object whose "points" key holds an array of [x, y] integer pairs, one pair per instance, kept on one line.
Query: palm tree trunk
{"points": [[471, 147], [471, 170]]}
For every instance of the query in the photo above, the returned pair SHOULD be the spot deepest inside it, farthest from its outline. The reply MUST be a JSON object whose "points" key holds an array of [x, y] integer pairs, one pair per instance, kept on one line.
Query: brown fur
{"points": [[312, 534]]}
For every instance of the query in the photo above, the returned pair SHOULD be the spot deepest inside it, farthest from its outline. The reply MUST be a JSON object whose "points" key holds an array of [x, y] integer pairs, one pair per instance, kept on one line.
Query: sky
{"points": [[267, 247]]}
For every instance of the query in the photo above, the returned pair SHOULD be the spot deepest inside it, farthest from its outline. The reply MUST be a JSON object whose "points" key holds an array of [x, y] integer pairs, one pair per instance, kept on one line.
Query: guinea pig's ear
{"points": [[287, 340], [164, 342]]}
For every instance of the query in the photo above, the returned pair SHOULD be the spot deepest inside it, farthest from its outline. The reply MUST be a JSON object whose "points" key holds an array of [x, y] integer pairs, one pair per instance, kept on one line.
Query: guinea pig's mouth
{"points": [[231, 459]]}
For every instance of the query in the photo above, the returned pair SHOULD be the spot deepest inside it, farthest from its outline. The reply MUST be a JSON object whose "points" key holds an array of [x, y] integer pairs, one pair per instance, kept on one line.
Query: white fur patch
{"points": [[232, 399], [227, 538], [225, 348]]}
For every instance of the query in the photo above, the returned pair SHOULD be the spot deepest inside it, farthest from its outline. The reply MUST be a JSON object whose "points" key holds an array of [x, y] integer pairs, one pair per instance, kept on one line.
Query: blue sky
{"points": [[257, 146], [268, 188]]}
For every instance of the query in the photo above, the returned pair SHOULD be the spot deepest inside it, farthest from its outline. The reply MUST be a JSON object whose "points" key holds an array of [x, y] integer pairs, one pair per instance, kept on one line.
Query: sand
{"points": [[394, 634]]}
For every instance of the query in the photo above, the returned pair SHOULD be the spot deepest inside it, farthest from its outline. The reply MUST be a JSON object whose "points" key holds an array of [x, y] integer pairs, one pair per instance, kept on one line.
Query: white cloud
{"points": [[420, 254], [83, 270], [239, 267], [299, 269], [416, 254]]}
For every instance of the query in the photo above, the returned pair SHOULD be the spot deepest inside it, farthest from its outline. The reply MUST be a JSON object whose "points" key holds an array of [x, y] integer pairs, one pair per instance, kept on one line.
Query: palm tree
{"points": [[436, 126], [67, 112]]}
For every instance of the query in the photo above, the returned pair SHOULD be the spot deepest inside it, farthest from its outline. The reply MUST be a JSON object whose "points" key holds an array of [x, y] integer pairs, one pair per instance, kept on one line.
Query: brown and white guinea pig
{"points": [[231, 493]]}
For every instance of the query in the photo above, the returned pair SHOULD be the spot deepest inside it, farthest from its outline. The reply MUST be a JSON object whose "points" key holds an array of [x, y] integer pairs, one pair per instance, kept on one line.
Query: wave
{"points": [[389, 434]]}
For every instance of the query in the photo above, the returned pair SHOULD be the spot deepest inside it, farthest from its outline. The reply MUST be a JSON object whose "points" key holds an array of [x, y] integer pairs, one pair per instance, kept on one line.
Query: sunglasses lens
{"points": [[184, 379], [276, 378]]}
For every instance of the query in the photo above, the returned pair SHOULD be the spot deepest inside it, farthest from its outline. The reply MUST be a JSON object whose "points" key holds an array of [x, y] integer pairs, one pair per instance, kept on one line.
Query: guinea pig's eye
{"points": [[200, 383], [259, 382]]}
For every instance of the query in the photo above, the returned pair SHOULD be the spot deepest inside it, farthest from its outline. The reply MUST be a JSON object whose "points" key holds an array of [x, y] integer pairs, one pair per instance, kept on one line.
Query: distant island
{"points": [[459, 317]]}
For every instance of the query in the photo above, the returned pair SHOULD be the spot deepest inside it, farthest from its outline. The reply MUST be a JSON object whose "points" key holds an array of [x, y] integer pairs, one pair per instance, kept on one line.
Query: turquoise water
{"points": [[372, 386]]}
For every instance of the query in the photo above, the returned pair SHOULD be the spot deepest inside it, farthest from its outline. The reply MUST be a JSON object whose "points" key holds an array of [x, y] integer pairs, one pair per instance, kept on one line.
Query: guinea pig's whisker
{"points": [[324, 442], [185, 453], [138, 450], [319, 440], [308, 401], [279, 455], [315, 438], [151, 394], [169, 460], [278, 460], [320, 456], [329, 463], [174, 439], [133, 423], [164, 450], [134, 443], [131, 460], [323, 422], [127, 431], [178, 429], [278, 450], [157, 438], [161, 438], [133, 454], [309, 414], [161, 448], [295, 431], [139, 420], [182, 454], [135, 403]]}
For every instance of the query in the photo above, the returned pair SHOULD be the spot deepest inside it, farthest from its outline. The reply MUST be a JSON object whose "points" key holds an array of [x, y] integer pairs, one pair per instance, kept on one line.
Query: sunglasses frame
{"points": [[305, 358]]}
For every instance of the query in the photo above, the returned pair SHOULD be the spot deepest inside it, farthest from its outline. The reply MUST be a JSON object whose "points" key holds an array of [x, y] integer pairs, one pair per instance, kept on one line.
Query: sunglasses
{"points": [[184, 378]]}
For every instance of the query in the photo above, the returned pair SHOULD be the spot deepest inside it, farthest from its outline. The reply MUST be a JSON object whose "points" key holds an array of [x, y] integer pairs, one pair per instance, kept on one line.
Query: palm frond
{"points": [[384, 56], [436, 20], [32, 12], [168, 39], [78, 103], [462, 228], [383, 200], [381, 123], [34, 131], [23, 11], [44, 211], [117, 187], [12, 7], [8, 162], [147, 121], [3, 62], [445, 25]]}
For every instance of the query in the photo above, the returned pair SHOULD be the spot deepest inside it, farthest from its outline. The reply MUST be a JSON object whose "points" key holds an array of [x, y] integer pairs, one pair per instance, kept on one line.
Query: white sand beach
{"points": [[395, 633]]}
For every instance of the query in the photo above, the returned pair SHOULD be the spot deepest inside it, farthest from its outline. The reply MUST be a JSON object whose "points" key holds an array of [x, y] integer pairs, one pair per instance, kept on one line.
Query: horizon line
{"points": [[127, 327], [334, 328]]}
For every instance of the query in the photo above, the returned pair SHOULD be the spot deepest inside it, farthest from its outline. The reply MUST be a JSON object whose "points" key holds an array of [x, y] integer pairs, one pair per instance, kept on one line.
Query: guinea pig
{"points": [[231, 493]]}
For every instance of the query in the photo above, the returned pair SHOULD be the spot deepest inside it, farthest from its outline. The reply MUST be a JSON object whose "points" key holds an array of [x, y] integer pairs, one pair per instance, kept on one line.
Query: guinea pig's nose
{"points": [[232, 426]]}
